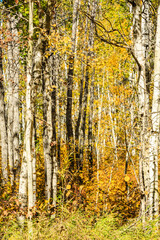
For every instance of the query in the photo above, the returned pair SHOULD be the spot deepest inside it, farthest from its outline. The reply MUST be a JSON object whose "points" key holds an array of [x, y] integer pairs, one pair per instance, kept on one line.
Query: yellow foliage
{"points": [[68, 187], [127, 178]]}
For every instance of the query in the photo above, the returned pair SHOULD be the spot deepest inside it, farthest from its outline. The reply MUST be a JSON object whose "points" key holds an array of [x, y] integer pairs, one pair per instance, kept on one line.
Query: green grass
{"points": [[77, 226]]}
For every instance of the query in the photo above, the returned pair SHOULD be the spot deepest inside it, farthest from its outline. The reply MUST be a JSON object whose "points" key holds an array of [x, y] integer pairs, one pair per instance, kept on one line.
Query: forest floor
{"points": [[78, 226]]}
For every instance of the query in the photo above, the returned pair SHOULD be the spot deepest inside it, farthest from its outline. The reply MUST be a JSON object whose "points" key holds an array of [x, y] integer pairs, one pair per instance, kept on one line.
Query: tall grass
{"points": [[78, 226]]}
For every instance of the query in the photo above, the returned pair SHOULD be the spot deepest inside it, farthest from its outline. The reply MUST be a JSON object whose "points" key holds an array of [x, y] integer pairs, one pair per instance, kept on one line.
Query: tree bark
{"points": [[23, 182], [13, 100], [29, 117], [47, 131], [141, 45], [69, 125], [154, 138], [3, 132], [91, 103], [78, 128], [49, 79]]}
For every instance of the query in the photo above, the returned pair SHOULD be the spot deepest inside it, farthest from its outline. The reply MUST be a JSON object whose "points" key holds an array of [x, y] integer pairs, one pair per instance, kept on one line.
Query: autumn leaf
{"points": [[68, 187], [68, 193], [127, 178], [17, 202]]}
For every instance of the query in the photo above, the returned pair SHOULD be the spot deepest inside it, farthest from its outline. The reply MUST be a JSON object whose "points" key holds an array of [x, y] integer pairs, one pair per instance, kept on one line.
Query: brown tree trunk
{"points": [[69, 125]]}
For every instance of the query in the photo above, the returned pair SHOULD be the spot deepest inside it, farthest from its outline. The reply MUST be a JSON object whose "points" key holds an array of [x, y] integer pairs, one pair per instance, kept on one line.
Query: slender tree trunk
{"points": [[90, 127], [154, 138], [49, 78], [114, 137], [79, 127], [90, 118], [3, 132], [54, 76], [34, 138], [29, 117], [47, 131], [100, 96], [69, 125], [83, 125], [23, 183], [13, 100], [59, 135], [141, 45]]}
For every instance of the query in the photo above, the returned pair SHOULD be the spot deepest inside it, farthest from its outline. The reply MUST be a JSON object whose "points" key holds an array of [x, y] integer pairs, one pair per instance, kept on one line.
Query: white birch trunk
{"points": [[98, 137], [50, 75], [47, 132], [29, 117], [34, 159], [3, 130], [23, 182], [141, 44], [154, 139], [114, 138], [13, 100]]}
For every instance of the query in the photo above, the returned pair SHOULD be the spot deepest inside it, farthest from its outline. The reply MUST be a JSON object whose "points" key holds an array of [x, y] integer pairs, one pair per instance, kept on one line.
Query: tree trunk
{"points": [[69, 125], [29, 117], [90, 126], [154, 138], [54, 76], [23, 182], [90, 118], [100, 96], [47, 131], [3, 132], [49, 79], [34, 138], [13, 100], [78, 137], [141, 44]]}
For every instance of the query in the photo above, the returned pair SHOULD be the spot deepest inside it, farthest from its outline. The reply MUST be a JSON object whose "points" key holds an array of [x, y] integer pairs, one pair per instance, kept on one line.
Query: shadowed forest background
{"points": [[79, 119]]}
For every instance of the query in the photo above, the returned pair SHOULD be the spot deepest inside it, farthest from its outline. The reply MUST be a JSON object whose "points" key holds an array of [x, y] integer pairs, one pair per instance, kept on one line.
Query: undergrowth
{"points": [[78, 226]]}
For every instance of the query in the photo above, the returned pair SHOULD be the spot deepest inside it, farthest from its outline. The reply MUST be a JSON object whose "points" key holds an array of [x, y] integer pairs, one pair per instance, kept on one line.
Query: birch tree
{"points": [[49, 82], [141, 46], [29, 117], [26, 194], [154, 138], [3, 132], [13, 98]]}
